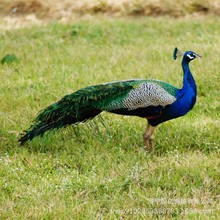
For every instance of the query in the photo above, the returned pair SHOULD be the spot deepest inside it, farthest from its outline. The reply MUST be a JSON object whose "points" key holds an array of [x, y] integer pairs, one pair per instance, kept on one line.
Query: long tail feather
{"points": [[57, 116], [79, 106]]}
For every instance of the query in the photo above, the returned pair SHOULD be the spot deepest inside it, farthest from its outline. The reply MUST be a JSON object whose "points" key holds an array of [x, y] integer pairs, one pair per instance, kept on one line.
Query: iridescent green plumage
{"points": [[85, 104]]}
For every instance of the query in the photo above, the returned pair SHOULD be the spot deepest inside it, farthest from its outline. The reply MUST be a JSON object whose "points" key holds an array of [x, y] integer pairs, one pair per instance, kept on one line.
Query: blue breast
{"points": [[186, 98]]}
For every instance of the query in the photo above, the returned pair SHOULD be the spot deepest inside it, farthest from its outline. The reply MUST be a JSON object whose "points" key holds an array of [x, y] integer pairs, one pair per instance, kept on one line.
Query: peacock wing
{"points": [[145, 94]]}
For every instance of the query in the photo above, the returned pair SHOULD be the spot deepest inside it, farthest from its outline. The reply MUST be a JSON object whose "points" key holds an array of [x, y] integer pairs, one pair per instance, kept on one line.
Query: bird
{"points": [[151, 99]]}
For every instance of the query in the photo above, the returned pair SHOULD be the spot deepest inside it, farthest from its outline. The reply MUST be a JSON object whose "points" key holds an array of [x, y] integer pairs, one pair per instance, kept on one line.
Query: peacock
{"points": [[154, 100]]}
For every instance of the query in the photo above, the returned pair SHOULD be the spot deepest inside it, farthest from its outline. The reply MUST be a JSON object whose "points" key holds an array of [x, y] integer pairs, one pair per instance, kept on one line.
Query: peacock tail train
{"points": [[86, 103]]}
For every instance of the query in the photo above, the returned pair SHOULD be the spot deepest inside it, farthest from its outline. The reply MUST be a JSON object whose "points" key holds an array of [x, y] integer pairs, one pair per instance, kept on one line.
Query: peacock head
{"points": [[187, 56]]}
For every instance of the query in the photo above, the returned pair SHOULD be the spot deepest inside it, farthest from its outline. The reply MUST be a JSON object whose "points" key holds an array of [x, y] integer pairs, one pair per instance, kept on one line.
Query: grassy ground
{"points": [[101, 172], [68, 8]]}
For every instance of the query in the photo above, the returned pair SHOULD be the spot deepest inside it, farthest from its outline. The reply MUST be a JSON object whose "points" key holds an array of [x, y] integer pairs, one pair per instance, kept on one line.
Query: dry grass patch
{"points": [[21, 13], [68, 8]]}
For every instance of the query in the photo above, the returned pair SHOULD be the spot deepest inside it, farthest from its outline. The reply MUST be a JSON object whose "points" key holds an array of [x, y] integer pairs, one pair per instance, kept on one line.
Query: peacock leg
{"points": [[148, 137]]}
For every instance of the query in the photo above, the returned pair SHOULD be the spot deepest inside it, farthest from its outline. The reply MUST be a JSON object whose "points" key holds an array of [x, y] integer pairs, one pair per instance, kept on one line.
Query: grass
{"points": [[102, 172], [66, 9]]}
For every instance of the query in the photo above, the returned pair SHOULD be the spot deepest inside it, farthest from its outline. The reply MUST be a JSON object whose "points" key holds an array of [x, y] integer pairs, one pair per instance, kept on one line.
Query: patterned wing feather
{"points": [[144, 94]]}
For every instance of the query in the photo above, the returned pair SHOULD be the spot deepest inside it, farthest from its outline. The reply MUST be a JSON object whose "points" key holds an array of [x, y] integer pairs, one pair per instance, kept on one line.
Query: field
{"points": [[99, 170]]}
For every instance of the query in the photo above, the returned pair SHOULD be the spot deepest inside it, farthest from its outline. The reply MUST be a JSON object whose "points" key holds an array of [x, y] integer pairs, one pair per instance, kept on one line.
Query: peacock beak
{"points": [[198, 56]]}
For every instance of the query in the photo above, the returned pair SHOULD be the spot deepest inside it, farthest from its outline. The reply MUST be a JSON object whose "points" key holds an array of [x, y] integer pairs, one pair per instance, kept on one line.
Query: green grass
{"points": [[102, 172]]}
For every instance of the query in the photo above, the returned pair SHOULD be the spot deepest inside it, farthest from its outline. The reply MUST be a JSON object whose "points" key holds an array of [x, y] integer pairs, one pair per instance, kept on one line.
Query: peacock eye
{"points": [[191, 56]]}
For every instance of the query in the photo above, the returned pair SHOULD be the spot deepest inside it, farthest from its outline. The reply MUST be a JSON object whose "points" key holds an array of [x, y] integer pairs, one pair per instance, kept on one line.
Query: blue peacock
{"points": [[155, 100]]}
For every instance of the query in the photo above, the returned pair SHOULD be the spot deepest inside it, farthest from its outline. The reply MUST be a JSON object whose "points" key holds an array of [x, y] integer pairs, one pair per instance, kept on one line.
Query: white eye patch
{"points": [[190, 57]]}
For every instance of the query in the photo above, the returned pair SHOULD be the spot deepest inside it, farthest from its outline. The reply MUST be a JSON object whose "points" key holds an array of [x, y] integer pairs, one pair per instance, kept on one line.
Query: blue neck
{"points": [[188, 80]]}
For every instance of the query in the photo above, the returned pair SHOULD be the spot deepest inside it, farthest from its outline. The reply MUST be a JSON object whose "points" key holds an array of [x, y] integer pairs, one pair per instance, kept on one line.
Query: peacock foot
{"points": [[148, 138], [148, 143]]}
